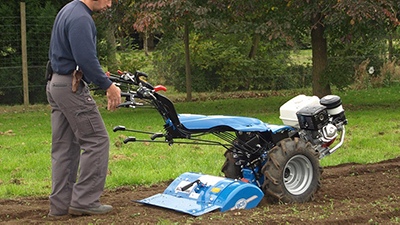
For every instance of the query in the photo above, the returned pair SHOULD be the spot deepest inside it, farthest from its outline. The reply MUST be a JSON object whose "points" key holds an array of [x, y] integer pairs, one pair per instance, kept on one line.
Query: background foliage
{"points": [[233, 45], [221, 63]]}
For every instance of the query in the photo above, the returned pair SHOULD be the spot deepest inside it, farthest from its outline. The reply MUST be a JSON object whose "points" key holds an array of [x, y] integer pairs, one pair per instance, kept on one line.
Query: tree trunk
{"points": [[254, 47], [390, 47], [319, 45], [150, 42], [112, 51], [145, 42], [121, 40], [187, 63]]}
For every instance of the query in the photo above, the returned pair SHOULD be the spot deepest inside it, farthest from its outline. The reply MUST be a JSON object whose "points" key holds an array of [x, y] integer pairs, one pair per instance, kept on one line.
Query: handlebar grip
{"points": [[160, 88], [128, 139], [117, 128], [125, 94], [125, 104], [140, 74]]}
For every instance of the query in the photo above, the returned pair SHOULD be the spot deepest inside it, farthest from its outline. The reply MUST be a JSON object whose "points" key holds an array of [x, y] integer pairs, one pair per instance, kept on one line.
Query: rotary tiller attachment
{"points": [[197, 194]]}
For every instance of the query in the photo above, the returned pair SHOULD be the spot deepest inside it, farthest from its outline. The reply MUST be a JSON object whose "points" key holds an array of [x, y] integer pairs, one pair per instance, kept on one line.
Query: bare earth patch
{"points": [[350, 193]]}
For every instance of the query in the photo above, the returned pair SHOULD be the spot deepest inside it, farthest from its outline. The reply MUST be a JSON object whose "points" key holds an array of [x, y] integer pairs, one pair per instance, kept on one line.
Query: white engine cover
{"points": [[289, 109]]}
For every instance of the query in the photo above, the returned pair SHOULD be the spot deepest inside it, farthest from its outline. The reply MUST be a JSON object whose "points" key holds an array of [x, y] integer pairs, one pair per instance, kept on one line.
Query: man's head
{"points": [[97, 5]]}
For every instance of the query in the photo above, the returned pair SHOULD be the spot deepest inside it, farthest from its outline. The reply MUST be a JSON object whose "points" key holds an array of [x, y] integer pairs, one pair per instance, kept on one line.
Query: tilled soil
{"points": [[350, 194]]}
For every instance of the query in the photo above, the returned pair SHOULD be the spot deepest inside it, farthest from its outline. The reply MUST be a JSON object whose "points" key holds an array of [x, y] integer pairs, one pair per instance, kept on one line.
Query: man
{"points": [[76, 122]]}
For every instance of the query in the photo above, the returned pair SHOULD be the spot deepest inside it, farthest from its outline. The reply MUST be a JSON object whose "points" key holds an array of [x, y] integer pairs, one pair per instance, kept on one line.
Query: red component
{"points": [[108, 74], [329, 143], [160, 88], [120, 72], [245, 180]]}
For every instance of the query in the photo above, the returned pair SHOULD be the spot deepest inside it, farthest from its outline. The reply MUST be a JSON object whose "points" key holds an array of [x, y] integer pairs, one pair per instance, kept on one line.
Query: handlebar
{"points": [[129, 78], [145, 90]]}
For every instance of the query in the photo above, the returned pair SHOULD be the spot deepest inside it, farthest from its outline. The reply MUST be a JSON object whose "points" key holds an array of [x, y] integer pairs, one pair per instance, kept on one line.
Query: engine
{"points": [[317, 120]]}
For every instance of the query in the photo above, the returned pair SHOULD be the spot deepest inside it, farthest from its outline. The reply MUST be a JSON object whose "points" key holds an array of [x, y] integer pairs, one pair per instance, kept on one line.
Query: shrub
{"points": [[362, 77], [221, 63], [388, 74]]}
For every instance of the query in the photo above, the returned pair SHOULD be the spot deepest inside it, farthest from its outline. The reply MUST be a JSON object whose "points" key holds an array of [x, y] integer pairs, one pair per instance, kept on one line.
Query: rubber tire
{"points": [[229, 168], [274, 186]]}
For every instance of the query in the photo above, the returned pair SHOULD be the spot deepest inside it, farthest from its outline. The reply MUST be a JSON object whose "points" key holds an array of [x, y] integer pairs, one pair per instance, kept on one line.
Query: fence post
{"points": [[24, 55]]}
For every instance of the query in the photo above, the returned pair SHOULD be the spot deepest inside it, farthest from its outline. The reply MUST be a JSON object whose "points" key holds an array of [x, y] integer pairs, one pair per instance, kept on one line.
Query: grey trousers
{"points": [[79, 142]]}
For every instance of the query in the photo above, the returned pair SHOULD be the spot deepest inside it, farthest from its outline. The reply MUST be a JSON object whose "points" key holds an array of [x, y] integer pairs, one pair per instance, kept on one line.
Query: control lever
{"points": [[125, 104], [128, 139], [117, 128], [156, 135], [184, 188], [128, 76], [139, 80], [141, 74]]}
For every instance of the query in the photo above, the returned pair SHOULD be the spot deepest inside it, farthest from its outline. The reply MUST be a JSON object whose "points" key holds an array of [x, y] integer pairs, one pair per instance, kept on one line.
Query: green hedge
{"points": [[222, 64]]}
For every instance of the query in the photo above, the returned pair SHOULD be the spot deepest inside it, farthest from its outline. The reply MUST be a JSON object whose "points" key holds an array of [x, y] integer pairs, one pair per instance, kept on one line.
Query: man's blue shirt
{"points": [[73, 42]]}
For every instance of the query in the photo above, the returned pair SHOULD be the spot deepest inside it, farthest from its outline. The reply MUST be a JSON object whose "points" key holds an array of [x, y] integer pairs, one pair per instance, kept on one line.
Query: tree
{"points": [[392, 31], [174, 16], [259, 18], [322, 20], [147, 20], [325, 17]]}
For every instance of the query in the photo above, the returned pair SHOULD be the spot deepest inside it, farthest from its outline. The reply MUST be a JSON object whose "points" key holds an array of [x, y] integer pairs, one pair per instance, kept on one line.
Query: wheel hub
{"points": [[298, 174]]}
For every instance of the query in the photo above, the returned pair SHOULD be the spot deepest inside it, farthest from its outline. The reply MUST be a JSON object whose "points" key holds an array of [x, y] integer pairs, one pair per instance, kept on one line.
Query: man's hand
{"points": [[114, 97]]}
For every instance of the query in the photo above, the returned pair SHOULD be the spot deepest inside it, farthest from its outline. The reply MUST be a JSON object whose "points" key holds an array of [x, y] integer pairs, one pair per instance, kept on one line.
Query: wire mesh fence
{"points": [[38, 31]]}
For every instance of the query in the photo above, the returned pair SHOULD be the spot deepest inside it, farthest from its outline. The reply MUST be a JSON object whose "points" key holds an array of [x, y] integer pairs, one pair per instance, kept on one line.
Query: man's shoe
{"points": [[90, 211], [51, 215]]}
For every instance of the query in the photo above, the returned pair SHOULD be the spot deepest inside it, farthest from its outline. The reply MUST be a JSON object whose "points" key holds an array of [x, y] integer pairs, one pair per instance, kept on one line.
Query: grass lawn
{"points": [[25, 138]]}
